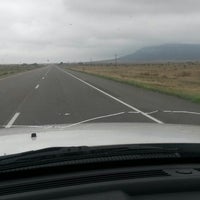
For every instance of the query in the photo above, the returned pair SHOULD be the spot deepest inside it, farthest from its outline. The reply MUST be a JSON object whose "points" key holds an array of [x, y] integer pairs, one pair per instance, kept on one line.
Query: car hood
{"points": [[18, 139]]}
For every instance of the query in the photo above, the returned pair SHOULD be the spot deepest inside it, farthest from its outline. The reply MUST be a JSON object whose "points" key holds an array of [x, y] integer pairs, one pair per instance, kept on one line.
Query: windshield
{"points": [[72, 62]]}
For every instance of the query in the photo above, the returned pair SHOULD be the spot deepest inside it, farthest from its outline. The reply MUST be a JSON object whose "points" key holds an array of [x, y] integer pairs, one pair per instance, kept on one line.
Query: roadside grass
{"points": [[178, 79], [7, 70]]}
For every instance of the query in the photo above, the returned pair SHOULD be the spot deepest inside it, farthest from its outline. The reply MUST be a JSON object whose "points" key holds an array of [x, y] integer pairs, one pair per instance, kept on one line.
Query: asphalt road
{"points": [[51, 95]]}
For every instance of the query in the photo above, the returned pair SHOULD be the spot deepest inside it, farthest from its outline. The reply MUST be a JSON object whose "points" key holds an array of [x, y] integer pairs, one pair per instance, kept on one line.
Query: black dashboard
{"points": [[151, 182]]}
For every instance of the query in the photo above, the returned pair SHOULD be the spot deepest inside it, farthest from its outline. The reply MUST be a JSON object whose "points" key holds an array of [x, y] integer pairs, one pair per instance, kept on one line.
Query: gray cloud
{"points": [[134, 7], [74, 30]]}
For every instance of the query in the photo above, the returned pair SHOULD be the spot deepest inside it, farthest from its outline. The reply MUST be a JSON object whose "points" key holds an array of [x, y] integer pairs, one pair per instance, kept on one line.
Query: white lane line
{"points": [[184, 112], [95, 118], [37, 86], [66, 114], [112, 97], [13, 119]]}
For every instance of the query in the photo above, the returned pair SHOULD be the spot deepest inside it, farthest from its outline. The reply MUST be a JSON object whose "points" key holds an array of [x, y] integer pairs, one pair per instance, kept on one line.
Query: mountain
{"points": [[164, 53]]}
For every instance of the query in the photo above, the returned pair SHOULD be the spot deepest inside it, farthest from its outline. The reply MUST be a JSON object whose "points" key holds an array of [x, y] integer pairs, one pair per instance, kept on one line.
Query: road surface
{"points": [[52, 95]]}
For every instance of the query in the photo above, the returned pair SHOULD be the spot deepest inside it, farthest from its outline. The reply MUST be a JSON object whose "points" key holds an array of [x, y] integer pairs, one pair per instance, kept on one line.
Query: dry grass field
{"points": [[179, 79], [7, 70]]}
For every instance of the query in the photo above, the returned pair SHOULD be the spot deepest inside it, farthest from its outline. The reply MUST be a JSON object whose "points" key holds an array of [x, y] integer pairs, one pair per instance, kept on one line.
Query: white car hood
{"points": [[18, 139]]}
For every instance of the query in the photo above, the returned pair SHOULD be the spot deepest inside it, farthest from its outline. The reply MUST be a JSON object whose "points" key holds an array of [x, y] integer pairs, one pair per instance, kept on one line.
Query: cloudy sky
{"points": [[80, 30]]}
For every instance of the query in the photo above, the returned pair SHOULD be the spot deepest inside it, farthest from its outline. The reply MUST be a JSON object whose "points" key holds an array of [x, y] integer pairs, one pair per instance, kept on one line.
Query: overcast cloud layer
{"points": [[80, 30]]}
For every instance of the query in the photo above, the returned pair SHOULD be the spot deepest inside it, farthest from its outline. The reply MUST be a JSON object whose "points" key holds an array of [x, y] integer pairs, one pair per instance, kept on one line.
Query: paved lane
{"points": [[15, 89], [168, 109], [51, 95], [62, 99]]}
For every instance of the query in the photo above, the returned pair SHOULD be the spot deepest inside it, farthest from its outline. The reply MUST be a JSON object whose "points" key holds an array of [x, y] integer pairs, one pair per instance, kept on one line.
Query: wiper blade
{"points": [[78, 155]]}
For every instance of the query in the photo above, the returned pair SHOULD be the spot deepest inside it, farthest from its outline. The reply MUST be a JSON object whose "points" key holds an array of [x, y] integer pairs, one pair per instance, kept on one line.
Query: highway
{"points": [[52, 95]]}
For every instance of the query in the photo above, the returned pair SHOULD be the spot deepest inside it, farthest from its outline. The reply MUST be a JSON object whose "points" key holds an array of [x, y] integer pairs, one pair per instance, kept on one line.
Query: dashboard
{"points": [[180, 181]]}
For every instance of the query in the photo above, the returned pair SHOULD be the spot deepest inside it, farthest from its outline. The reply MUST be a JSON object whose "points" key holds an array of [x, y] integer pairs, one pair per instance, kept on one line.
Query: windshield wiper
{"points": [[84, 155], [71, 158]]}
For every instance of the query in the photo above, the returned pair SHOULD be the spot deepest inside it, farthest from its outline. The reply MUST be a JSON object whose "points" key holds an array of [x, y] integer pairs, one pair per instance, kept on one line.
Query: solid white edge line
{"points": [[37, 86], [13, 119], [95, 118], [116, 99]]}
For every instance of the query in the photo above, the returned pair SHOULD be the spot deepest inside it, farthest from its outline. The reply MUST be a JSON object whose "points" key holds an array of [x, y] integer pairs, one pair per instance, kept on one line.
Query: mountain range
{"points": [[164, 53]]}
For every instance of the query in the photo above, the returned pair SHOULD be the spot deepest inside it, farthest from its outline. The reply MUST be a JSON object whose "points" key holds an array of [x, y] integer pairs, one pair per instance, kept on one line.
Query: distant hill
{"points": [[164, 53]]}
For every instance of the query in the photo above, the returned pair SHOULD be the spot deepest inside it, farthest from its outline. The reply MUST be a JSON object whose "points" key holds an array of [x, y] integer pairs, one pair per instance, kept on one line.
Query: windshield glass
{"points": [[72, 62]]}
